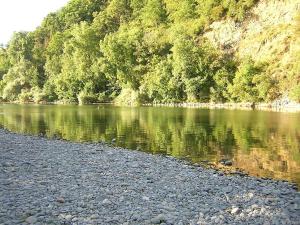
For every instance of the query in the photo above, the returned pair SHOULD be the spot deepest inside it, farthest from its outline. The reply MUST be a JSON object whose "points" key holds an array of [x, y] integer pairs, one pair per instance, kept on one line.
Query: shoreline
{"points": [[44, 180], [274, 107], [223, 166], [292, 107]]}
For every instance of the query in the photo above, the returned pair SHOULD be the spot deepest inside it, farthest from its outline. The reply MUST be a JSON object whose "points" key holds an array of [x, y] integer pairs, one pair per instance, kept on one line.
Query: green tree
{"points": [[22, 76], [20, 47], [4, 62], [153, 13], [145, 50], [244, 88], [195, 67], [123, 52]]}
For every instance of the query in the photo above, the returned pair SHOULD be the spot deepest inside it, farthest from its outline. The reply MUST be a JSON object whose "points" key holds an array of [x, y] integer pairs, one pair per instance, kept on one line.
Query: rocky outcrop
{"points": [[268, 26], [268, 36]]}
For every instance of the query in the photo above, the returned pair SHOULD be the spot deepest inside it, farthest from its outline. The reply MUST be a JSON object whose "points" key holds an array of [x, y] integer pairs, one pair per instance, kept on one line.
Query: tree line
{"points": [[130, 51]]}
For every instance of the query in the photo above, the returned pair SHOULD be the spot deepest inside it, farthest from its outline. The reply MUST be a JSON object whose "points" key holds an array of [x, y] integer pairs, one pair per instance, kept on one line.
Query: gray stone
{"points": [[106, 202], [158, 219], [60, 200], [145, 198], [227, 189], [31, 220], [94, 216], [68, 217]]}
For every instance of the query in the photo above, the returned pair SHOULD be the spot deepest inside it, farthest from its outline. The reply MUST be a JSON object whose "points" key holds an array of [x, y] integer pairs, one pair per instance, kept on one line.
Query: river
{"points": [[265, 144]]}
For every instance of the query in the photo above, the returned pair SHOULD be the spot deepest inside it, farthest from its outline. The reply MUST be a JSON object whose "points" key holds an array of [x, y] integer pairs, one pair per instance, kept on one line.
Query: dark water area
{"points": [[265, 144]]}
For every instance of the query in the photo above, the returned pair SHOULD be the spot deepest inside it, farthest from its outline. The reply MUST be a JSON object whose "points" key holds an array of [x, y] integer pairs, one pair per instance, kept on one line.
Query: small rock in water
{"points": [[31, 220], [228, 163]]}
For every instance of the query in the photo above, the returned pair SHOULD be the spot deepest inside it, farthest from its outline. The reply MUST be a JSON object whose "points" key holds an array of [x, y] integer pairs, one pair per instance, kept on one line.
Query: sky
{"points": [[24, 15]]}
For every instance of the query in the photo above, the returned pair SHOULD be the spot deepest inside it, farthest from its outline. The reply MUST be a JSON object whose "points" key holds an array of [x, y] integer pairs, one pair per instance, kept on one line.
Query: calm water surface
{"points": [[262, 143]]}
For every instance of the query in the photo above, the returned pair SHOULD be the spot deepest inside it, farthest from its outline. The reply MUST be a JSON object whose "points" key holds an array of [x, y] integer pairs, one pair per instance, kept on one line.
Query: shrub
{"points": [[49, 92], [244, 86], [102, 97], [2, 85], [295, 93], [12, 90], [39, 95], [86, 98], [128, 97], [25, 96]]}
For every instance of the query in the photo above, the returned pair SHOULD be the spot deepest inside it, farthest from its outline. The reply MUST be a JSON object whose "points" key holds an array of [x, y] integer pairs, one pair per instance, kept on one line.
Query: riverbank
{"points": [[277, 106], [46, 181]]}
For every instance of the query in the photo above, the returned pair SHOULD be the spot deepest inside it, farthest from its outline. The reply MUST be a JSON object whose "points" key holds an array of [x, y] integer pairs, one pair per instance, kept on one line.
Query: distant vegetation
{"points": [[134, 51]]}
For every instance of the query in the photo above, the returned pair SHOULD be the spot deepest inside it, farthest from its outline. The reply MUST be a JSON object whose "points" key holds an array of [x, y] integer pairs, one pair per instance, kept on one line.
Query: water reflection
{"points": [[262, 143]]}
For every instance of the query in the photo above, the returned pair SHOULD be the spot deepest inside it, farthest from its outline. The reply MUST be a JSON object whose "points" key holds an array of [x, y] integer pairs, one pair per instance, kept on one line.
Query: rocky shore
{"points": [[46, 181], [276, 106]]}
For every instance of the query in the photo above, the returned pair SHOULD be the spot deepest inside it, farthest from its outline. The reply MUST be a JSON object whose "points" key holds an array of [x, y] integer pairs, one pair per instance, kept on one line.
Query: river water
{"points": [[262, 143]]}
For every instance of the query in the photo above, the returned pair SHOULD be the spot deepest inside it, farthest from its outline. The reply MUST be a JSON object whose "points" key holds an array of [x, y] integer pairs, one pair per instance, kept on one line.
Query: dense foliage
{"points": [[132, 51]]}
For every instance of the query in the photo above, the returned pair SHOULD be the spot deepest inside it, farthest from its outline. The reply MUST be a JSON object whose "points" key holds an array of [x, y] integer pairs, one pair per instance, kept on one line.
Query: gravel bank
{"points": [[57, 182]]}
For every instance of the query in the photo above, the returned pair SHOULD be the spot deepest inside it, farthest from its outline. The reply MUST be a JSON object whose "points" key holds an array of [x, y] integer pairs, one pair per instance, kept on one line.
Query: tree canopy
{"points": [[154, 50]]}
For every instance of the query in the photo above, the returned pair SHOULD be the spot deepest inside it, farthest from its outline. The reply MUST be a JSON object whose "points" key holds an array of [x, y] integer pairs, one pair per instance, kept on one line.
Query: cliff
{"points": [[269, 35]]}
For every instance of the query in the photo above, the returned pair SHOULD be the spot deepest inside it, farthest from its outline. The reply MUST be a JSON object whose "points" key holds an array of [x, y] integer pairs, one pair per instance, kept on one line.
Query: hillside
{"points": [[157, 51], [268, 36]]}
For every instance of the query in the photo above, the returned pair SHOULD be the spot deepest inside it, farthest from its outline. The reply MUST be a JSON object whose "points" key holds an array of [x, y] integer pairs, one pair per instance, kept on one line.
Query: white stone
{"points": [[235, 210]]}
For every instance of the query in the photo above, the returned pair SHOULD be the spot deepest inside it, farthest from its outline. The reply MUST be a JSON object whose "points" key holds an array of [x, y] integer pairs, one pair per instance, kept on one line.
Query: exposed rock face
{"points": [[267, 23], [270, 31], [266, 35], [225, 34]]}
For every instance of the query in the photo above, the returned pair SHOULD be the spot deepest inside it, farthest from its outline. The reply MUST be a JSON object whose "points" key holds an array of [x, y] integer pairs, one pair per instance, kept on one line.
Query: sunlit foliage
{"points": [[149, 50]]}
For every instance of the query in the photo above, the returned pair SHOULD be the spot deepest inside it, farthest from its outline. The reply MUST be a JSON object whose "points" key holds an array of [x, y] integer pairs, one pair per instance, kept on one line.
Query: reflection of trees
{"points": [[265, 143]]}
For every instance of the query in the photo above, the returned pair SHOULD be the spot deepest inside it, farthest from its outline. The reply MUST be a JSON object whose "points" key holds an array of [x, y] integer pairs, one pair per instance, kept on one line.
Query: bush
{"points": [[38, 95], [25, 96], [12, 90], [222, 79], [86, 98], [49, 92], [244, 86], [266, 87], [128, 97], [102, 98], [295, 93]]}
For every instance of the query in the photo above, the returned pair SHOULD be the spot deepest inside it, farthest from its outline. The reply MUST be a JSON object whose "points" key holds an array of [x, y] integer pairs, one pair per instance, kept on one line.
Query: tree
{"points": [[22, 76], [153, 13], [148, 50], [20, 47], [123, 54], [244, 88], [4, 62]]}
